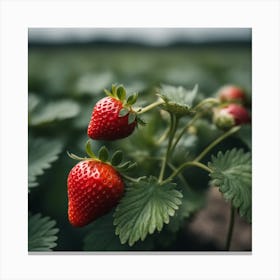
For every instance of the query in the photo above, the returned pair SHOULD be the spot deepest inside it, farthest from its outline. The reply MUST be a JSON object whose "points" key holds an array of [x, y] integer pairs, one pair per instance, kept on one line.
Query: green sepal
{"points": [[140, 121], [89, 151], [123, 112], [132, 99], [75, 157], [178, 100], [121, 93], [103, 154], [131, 117], [117, 158]]}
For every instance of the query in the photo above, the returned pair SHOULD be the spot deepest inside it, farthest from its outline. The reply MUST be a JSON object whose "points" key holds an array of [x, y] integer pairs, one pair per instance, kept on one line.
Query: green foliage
{"points": [[178, 100], [192, 201], [232, 174], [41, 153], [145, 207], [245, 134], [102, 237], [54, 111], [41, 233]]}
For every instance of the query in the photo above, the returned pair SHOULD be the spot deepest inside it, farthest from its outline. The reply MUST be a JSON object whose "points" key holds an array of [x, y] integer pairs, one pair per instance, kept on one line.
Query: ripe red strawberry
{"points": [[231, 93], [94, 188], [230, 115], [106, 122]]}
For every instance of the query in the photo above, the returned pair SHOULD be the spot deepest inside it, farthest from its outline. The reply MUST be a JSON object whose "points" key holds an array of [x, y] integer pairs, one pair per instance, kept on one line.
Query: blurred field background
{"points": [[67, 72]]}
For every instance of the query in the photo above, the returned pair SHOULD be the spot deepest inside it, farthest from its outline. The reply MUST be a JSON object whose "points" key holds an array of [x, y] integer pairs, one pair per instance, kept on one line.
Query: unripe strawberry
{"points": [[231, 93], [94, 188], [231, 115]]}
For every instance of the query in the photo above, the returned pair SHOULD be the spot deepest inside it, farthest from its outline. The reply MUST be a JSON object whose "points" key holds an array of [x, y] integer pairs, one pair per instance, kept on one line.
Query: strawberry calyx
{"points": [[119, 92], [104, 156]]}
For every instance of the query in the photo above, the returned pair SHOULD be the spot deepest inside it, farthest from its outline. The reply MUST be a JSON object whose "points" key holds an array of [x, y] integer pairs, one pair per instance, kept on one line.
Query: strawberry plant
{"points": [[128, 167], [144, 204]]}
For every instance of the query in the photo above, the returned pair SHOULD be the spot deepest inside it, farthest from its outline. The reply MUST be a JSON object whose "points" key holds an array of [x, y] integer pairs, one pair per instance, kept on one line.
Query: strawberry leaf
{"points": [[102, 237], [178, 100], [232, 174], [54, 111], [145, 208], [41, 153], [41, 233]]}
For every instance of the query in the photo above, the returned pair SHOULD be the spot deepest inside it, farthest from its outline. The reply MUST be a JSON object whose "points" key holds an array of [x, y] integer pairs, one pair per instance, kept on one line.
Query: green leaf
{"points": [[117, 158], [192, 201], [145, 207], [41, 153], [232, 174], [41, 233], [103, 154], [178, 100], [55, 111], [102, 237], [123, 112]]}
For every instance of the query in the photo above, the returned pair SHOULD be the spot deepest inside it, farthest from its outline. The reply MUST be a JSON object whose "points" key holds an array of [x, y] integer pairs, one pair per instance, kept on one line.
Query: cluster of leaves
{"points": [[64, 86]]}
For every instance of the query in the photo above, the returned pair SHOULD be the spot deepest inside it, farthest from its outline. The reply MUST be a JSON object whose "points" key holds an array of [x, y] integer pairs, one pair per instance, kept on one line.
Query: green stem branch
{"points": [[206, 101], [185, 165], [216, 142], [173, 128], [150, 107], [230, 228]]}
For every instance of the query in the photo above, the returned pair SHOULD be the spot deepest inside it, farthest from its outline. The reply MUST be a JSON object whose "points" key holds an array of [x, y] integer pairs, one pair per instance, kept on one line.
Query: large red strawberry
{"points": [[94, 188], [113, 117], [231, 115], [232, 93]]}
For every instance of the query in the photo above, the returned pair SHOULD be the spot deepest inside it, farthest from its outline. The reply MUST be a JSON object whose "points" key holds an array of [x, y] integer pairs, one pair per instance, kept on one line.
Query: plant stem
{"points": [[205, 101], [163, 136], [184, 130], [187, 164], [150, 107], [230, 228], [173, 128], [216, 142]]}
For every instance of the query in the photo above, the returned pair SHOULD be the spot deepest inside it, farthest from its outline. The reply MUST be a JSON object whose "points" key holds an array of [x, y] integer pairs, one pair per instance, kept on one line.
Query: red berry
{"points": [[230, 115], [231, 93], [106, 124], [94, 188]]}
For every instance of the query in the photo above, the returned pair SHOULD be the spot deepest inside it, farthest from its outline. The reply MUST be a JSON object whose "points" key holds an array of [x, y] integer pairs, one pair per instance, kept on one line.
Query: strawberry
{"points": [[94, 188], [231, 93], [95, 185], [113, 117], [231, 115]]}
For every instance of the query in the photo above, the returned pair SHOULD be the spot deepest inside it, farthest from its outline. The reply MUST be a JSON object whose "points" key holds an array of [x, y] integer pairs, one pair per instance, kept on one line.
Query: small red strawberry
{"points": [[94, 185], [231, 115], [231, 93], [112, 117], [94, 188]]}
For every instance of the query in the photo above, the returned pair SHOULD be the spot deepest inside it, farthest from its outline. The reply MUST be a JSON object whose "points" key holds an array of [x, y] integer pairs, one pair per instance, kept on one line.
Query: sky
{"points": [[152, 36]]}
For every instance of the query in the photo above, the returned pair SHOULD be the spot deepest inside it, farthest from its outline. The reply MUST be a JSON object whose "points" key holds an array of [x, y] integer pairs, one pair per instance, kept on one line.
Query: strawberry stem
{"points": [[150, 107]]}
